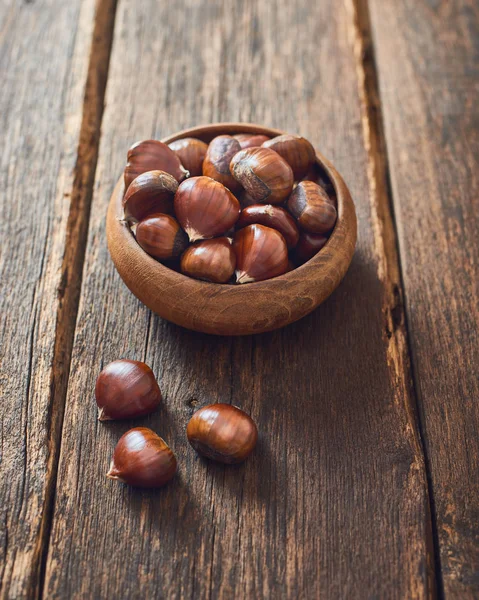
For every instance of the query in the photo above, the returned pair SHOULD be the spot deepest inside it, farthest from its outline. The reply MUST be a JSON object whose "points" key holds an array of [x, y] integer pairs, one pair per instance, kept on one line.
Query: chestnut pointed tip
{"points": [[127, 221], [243, 277], [102, 416], [113, 473], [193, 235]]}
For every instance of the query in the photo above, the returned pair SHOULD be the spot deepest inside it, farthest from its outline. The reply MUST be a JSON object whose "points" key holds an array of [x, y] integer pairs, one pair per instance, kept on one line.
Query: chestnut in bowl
{"points": [[223, 309]]}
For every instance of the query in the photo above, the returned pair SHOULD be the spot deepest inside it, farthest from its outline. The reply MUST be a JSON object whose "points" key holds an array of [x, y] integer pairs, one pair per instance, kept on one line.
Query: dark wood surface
{"points": [[44, 61], [364, 483], [431, 116]]}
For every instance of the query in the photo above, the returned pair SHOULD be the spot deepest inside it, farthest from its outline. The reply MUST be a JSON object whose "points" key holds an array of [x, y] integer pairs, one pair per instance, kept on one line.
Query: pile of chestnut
{"points": [[126, 389], [242, 208]]}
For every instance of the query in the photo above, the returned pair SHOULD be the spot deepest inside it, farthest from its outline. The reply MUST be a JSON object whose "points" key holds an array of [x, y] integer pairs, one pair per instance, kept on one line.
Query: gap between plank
{"points": [[390, 271], [73, 259]]}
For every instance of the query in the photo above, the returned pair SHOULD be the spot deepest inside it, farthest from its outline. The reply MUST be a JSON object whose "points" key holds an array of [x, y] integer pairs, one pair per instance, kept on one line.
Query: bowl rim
{"points": [[329, 263]]}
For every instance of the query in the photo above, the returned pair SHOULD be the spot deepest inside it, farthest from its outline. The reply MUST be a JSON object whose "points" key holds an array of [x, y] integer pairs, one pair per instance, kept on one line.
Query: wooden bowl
{"points": [[223, 309]]}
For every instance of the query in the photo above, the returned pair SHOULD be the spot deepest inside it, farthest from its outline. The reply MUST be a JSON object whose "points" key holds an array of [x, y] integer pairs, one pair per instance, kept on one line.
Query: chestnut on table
{"points": [[237, 309], [223, 433], [143, 459], [128, 389], [125, 389]]}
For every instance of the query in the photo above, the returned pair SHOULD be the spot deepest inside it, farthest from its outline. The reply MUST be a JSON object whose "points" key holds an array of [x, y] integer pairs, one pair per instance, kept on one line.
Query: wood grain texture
{"points": [[44, 60], [333, 502], [428, 70], [226, 309]]}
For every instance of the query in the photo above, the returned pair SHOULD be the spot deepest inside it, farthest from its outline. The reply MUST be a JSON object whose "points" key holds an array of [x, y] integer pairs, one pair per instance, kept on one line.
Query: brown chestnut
{"points": [[271, 216], [261, 253], [152, 155], [211, 260], [309, 245], [296, 151], [161, 236], [191, 153], [142, 459], [217, 161], [125, 389], [250, 140], [312, 207], [262, 172], [223, 433], [150, 192], [205, 208]]}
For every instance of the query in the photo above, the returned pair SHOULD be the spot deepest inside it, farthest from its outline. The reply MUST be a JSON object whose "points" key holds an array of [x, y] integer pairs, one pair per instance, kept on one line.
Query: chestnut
{"points": [[152, 155], [191, 153], [312, 207], [309, 245], [250, 140], [271, 216], [142, 459], [223, 433], [261, 253], [161, 236], [262, 172], [296, 151], [211, 260], [125, 389], [150, 192], [217, 161], [205, 208]]}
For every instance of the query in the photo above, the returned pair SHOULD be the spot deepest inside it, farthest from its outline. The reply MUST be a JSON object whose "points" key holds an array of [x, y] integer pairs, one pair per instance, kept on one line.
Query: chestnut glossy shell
{"points": [[161, 236], [211, 260], [312, 207], [296, 151], [205, 208], [264, 174], [234, 309], [191, 153], [142, 459], [261, 253], [217, 161], [125, 389], [223, 433], [152, 155], [151, 192]]}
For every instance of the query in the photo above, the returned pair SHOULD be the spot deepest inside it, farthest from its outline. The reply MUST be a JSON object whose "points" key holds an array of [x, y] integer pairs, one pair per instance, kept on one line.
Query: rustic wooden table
{"points": [[365, 483]]}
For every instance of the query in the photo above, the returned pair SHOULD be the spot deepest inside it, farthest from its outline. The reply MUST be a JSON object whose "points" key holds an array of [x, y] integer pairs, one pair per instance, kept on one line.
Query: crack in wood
{"points": [[72, 267], [389, 264]]}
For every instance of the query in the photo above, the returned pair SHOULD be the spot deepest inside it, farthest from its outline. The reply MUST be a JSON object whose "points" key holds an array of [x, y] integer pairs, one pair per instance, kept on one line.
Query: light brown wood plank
{"points": [[47, 164], [428, 71], [334, 501]]}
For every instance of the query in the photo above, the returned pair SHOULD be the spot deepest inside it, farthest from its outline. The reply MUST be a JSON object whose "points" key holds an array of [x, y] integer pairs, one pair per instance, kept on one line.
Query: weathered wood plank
{"points": [[334, 501], [47, 162], [427, 56]]}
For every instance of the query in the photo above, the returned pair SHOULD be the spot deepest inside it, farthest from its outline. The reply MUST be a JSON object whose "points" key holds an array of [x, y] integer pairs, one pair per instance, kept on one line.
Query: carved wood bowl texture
{"points": [[223, 309]]}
